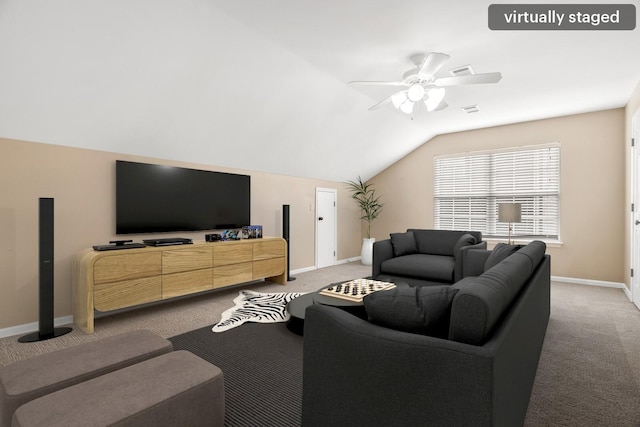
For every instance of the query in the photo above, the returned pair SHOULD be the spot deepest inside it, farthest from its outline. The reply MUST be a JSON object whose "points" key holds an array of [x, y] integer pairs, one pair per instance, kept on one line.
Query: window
{"points": [[469, 187]]}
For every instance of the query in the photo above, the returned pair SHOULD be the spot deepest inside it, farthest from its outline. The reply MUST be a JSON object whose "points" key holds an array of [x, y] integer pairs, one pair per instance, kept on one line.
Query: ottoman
{"points": [[29, 379], [175, 389]]}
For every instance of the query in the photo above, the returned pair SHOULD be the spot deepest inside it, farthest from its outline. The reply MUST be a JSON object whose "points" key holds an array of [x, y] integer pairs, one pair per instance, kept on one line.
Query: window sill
{"points": [[551, 243]]}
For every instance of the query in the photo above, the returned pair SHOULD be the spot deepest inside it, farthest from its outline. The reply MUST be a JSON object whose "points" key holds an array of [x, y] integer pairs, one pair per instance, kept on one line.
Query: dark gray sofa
{"points": [[358, 373], [424, 257]]}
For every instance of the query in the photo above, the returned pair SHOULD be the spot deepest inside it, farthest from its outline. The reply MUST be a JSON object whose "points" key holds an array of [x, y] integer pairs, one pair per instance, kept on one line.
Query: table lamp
{"points": [[509, 212]]}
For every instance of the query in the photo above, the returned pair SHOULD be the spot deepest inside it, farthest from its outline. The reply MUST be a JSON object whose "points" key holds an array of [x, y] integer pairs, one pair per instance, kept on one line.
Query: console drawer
{"points": [[127, 293], [187, 282], [268, 268], [265, 249], [232, 274], [232, 253], [114, 268], [177, 260]]}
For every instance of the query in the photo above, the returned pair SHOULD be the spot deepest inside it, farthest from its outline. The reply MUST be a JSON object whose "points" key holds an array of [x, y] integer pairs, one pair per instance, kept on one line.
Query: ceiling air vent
{"points": [[462, 71], [470, 109]]}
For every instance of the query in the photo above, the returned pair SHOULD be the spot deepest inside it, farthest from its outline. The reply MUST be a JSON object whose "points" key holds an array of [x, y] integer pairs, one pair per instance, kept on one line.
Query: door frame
{"points": [[635, 214], [335, 222]]}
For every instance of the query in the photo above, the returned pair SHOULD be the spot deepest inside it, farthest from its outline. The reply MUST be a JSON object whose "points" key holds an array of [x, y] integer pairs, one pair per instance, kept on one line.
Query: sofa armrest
{"points": [[359, 374], [382, 251], [459, 269], [473, 261]]}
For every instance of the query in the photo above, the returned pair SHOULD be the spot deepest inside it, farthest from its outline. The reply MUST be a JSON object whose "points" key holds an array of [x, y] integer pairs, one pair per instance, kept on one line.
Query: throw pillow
{"points": [[499, 253], [464, 240], [403, 243], [421, 310]]}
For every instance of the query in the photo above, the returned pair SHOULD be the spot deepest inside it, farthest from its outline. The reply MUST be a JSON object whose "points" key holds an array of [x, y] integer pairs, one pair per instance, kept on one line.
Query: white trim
{"points": [[32, 327], [314, 267], [589, 282], [517, 241], [501, 150], [304, 269], [348, 260], [634, 244]]}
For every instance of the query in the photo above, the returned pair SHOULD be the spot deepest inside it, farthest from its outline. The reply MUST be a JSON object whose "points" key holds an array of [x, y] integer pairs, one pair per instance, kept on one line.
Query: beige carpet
{"points": [[589, 371]]}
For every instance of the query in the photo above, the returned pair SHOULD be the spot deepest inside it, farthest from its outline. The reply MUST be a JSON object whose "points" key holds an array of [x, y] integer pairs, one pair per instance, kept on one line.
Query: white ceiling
{"points": [[262, 85]]}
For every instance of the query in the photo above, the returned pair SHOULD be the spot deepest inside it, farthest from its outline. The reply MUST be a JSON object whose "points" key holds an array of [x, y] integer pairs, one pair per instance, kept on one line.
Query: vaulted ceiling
{"points": [[263, 85]]}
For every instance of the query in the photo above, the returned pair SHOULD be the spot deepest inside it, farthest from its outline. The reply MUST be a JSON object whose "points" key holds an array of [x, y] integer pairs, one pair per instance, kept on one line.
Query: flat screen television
{"points": [[156, 198]]}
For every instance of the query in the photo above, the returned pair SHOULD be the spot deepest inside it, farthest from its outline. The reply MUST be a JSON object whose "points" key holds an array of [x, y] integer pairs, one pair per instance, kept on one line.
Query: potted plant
{"points": [[370, 205]]}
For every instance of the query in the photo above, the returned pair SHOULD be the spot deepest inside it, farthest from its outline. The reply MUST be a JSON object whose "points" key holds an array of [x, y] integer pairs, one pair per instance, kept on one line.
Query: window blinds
{"points": [[468, 189]]}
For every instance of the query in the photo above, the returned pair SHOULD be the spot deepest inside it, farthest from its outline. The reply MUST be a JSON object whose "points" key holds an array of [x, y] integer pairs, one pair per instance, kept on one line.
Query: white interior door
{"points": [[635, 246], [326, 226]]}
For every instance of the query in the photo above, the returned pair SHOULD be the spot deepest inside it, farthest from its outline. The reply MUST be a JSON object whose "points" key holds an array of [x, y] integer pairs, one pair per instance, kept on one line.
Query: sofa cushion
{"points": [[482, 301], [428, 267], [403, 243], [415, 309], [440, 242], [500, 252]]}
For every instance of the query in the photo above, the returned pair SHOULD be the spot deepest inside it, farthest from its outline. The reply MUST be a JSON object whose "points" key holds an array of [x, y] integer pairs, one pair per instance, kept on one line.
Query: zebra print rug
{"points": [[256, 307]]}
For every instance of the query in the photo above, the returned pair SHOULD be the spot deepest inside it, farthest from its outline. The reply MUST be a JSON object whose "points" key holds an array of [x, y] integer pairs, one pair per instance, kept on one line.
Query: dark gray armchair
{"points": [[424, 257]]}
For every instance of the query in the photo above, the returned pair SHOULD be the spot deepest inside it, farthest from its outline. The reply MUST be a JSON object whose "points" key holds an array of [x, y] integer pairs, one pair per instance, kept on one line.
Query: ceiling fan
{"points": [[422, 86]]}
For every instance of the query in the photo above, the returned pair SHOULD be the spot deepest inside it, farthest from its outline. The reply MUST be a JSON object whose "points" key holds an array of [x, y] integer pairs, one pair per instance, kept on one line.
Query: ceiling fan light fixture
{"points": [[399, 98], [415, 92], [434, 98], [407, 107]]}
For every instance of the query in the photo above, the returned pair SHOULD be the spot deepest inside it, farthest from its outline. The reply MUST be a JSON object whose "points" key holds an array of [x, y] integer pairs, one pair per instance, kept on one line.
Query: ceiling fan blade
{"points": [[380, 104], [471, 79], [441, 106], [378, 83], [432, 63]]}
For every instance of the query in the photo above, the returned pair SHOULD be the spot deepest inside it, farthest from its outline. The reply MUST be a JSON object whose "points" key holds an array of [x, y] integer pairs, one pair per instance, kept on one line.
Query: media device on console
{"points": [[119, 244], [169, 241]]}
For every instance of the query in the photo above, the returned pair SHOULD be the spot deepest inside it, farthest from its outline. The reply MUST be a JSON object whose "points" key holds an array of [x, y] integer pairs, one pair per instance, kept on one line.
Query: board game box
{"points": [[356, 290]]}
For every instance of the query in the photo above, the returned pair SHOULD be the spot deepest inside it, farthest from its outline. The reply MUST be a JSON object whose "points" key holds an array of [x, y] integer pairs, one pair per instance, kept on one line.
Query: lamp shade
{"points": [[509, 212]]}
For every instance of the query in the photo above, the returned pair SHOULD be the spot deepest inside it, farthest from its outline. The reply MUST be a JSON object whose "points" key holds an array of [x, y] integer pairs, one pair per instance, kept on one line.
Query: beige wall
{"points": [[632, 108], [82, 182], [592, 187]]}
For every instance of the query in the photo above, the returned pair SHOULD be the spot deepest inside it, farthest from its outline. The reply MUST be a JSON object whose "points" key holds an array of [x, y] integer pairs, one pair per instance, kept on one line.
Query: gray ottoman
{"points": [[29, 379], [175, 389]]}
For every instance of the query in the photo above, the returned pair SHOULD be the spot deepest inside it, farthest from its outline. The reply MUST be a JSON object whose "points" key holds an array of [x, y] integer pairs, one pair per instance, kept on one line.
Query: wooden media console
{"points": [[110, 280]]}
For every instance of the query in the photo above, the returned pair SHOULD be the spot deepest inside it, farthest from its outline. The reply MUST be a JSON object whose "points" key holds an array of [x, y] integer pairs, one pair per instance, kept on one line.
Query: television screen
{"points": [[155, 198]]}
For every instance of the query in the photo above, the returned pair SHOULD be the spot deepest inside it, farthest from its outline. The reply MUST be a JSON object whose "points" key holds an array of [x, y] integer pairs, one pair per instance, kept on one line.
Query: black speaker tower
{"points": [[285, 235], [45, 253]]}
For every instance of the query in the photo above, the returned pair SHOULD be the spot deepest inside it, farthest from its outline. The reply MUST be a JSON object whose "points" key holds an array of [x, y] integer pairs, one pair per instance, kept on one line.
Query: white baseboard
{"points": [[32, 327], [348, 260], [303, 270], [313, 267], [588, 282]]}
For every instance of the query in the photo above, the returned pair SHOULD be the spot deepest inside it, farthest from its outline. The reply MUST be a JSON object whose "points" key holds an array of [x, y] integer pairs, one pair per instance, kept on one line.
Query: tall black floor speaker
{"points": [[285, 236], [45, 276]]}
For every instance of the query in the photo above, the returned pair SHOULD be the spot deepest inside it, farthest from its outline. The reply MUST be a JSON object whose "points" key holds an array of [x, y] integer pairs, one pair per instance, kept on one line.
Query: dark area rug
{"points": [[262, 367]]}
